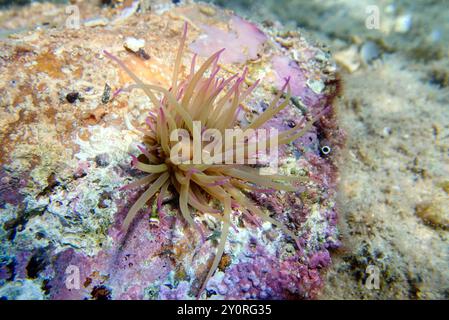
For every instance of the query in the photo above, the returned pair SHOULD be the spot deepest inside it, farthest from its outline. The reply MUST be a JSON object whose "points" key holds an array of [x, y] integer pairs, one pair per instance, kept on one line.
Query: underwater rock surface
{"points": [[67, 135]]}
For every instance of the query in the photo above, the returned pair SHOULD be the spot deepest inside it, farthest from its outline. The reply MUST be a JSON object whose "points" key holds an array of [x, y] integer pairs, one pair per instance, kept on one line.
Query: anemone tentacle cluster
{"points": [[215, 103]]}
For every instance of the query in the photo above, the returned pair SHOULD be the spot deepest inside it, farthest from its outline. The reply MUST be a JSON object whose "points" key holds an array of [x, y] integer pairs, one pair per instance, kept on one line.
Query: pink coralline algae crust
{"points": [[138, 264], [126, 274], [242, 43], [286, 68], [124, 270], [10, 188], [261, 275]]}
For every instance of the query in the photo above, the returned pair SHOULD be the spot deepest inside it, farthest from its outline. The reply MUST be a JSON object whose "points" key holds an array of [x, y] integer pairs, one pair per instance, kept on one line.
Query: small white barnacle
{"points": [[325, 147], [326, 150]]}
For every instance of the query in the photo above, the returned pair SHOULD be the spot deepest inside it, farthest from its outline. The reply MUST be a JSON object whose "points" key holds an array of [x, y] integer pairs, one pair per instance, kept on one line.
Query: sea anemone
{"points": [[216, 103]]}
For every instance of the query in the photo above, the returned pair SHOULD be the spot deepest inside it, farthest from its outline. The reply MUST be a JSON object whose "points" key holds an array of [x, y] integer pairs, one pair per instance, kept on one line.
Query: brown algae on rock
{"points": [[432, 213]]}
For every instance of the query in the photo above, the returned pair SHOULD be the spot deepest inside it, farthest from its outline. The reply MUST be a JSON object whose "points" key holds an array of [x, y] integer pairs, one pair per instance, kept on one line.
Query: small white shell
{"points": [[134, 44]]}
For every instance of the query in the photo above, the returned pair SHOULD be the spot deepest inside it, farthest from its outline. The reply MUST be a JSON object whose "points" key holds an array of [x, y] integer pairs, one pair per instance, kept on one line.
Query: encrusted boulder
{"points": [[68, 128]]}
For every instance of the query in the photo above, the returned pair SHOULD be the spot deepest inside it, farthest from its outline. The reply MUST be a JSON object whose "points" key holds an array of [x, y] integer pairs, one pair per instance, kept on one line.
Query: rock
{"points": [[403, 23], [125, 13], [134, 44], [72, 96], [102, 160], [95, 22], [348, 59], [433, 213], [369, 52], [64, 168]]}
